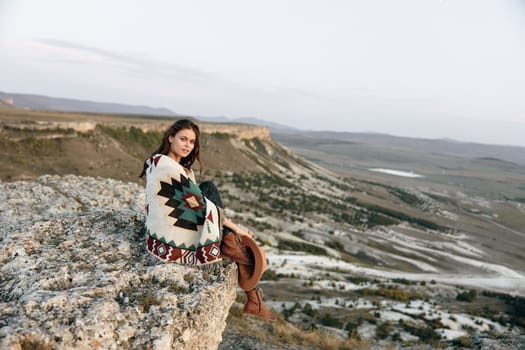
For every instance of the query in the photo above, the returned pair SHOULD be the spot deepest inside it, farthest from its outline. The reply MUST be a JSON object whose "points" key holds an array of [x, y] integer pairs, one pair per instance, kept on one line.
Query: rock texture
{"points": [[235, 130], [74, 273]]}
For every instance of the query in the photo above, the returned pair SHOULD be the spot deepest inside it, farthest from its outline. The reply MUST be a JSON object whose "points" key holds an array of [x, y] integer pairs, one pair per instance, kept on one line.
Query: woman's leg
{"points": [[255, 305], [231, 245], [210, 191]]}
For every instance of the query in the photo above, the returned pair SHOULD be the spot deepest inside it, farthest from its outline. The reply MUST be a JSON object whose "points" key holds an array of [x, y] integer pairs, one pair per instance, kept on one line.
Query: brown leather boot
{"points": [[255, 305], [233, 248]]}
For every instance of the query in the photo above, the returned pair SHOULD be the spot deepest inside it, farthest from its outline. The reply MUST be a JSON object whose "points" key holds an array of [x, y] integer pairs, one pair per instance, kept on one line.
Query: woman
{"points": [[185, 223]]}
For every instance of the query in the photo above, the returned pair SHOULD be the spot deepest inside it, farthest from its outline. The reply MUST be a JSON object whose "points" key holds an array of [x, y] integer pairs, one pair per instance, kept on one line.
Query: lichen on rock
{"points": [[74, 273]]}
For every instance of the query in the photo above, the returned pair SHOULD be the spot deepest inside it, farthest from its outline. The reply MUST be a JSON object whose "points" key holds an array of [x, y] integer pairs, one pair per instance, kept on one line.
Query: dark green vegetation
{"points": [[301, 246], [278, 195], [515, 307], [467, 296], [425, 326], [148, 140], [391, 292]]}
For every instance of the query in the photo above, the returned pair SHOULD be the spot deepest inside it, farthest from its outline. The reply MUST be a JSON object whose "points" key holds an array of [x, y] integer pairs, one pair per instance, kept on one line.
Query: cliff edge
{"points": [[74, 273]]}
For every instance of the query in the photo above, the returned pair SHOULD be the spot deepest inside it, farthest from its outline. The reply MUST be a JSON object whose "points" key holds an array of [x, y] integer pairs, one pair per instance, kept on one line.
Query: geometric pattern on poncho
{"points": [[187, 200], [182, 226], [202, 255]]}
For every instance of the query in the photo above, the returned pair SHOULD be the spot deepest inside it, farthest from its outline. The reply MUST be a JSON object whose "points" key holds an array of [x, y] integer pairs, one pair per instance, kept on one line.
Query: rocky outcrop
{"points": [[234, 130], [239, 131], [84, 126], [74, 273]]}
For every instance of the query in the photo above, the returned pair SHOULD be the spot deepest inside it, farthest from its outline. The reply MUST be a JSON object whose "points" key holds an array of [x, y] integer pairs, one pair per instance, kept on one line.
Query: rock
{"points": [[74, 273]]}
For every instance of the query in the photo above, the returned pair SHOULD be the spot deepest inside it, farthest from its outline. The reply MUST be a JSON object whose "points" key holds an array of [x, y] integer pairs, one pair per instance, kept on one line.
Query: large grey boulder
{"points": [[74, 273]]}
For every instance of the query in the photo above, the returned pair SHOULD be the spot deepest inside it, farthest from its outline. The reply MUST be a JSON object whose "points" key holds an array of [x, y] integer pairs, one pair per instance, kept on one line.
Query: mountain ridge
{"points": [[462, 149], [43, 102]]}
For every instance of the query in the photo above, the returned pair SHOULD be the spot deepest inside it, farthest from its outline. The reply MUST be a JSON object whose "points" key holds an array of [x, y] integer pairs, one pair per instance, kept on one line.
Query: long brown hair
{"points": [[164, 147]]}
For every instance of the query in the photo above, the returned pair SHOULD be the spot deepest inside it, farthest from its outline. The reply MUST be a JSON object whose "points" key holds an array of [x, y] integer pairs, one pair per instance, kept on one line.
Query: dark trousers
{"points": [[210, 191]]}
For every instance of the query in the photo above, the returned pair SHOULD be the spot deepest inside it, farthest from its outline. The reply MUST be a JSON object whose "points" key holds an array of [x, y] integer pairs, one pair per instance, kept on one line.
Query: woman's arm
{"points": [[231, 225]]}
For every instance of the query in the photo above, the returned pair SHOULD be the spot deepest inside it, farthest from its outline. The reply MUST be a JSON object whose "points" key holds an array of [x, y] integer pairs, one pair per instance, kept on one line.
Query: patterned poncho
{"points": [[182, 225]]}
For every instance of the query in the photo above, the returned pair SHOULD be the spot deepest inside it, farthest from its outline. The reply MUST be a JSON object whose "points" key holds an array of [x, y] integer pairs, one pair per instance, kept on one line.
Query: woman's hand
{"points": [[231, 225]]}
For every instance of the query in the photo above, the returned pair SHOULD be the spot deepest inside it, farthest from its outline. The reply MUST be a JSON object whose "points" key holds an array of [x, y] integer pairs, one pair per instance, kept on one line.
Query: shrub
{"points": [[289, 312], [221, 135], [462, 342], [396, 337], [406, 197], [301, 246], [392, 293], [298, 234], [308, 310], [269, 275], [330, 321], [425, 334], [146, 139], [383, 330], [335, 245], [402, 281], [379, 219], [393, 214], [357, 279], [516, 310], [27, 343], [467, 296]]}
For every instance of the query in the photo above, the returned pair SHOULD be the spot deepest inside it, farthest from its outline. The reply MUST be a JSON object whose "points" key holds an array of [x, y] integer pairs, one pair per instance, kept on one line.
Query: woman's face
{"points": [[181, 144]]}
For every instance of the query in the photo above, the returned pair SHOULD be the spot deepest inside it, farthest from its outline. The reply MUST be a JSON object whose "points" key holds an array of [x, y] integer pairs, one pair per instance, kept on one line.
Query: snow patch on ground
{"points": [[419, 264], [396, 172], [330, 284], [450, 334], [413, 252], [497, 278], [394, 316]]}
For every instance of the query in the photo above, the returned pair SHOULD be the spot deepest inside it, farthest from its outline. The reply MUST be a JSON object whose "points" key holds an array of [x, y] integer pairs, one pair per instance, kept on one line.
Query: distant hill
{"points": [[6, 104], [40, 102], [274, 127], [470, 150], [287, 135]]}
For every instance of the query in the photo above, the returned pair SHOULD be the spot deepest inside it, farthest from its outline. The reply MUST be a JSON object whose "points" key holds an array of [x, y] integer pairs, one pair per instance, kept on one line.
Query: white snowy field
{"points": [[396, 172], [498, 278]]}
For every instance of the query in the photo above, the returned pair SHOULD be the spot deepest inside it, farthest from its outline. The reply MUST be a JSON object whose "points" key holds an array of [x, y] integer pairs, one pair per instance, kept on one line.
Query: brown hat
{"points": [[250, 275]]}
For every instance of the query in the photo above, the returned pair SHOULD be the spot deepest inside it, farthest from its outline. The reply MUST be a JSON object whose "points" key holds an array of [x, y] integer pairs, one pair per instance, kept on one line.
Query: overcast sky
{"points": [[422, 68]]}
